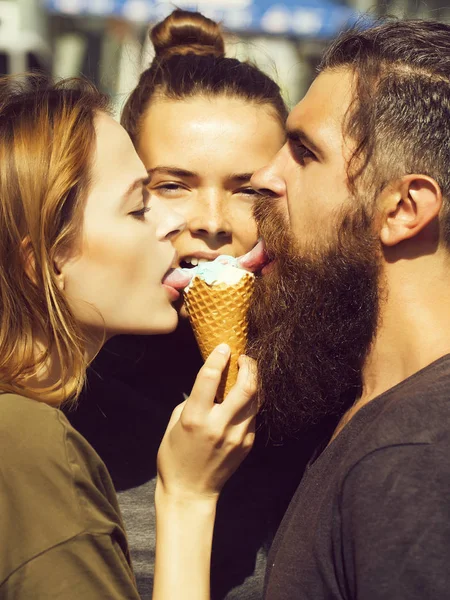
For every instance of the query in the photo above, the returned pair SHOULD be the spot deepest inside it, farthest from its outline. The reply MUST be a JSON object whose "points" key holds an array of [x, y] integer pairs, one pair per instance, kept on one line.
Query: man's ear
{"points": [[408, 205]]}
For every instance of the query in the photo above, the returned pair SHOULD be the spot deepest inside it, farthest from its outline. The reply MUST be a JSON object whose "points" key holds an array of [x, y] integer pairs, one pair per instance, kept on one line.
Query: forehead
{"points": [[218, 130], [114, 155], [322, 111]]}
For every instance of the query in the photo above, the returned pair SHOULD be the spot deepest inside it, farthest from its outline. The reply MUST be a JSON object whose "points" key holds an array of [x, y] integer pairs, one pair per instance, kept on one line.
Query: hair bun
{"points": [[185, 32]]}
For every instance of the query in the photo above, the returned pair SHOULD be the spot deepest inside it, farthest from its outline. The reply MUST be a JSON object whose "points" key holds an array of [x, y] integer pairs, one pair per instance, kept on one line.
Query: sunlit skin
{"points": [[308, 181], [113, 278], [200, 154], [308, 175]]}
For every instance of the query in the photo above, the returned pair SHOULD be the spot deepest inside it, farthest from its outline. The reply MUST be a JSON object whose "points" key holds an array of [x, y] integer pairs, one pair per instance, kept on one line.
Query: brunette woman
{"points": [[202, 123]]}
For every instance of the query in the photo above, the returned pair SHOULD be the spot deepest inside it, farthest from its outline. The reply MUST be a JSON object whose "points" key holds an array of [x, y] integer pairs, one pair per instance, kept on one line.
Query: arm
{"points": [[395, 509], [86, 567], [203, 445]]}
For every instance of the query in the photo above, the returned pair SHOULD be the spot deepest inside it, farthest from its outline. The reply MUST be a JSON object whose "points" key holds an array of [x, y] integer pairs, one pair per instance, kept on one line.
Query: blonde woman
{"points": [[86, 253]]}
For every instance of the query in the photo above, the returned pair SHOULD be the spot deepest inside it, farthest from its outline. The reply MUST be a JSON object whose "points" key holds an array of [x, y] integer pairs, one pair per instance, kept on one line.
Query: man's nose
{"points": [[269, 180]]}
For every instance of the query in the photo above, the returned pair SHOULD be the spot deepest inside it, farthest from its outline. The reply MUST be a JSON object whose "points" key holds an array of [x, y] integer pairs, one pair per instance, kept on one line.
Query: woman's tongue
{"points": [[178, 278]]}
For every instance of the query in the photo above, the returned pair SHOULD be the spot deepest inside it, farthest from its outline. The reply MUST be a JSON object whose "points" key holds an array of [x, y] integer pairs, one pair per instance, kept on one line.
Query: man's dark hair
{"points": [[400, 114]]}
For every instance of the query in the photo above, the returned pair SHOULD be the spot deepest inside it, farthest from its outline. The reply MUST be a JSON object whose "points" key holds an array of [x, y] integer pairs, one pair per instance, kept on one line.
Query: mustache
{"points": [[272, 226]]}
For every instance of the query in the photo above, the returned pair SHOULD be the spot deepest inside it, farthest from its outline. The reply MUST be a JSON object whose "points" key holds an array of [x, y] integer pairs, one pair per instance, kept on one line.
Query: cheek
{"points": [[243, 226], [115, 252], [118, 241]]}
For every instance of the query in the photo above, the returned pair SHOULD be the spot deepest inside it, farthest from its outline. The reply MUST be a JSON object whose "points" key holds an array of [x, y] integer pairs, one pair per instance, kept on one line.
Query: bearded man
{"points": [[352, 318]]}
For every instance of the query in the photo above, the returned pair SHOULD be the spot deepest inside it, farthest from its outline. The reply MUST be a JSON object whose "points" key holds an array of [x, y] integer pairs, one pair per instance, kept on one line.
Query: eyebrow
{"points": [[174, 171], [240, 177], [183, 173], [177, 172], [298, 135], [139, 183]]}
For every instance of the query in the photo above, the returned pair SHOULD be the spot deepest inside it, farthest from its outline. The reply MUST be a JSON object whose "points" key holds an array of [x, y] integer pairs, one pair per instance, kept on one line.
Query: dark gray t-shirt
{"points": [[371, 517]]}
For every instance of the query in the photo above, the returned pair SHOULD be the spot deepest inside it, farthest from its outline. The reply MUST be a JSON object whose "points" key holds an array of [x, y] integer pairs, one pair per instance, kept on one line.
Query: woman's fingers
{"points": [[241, 400], [208, 378], [205, 442]]}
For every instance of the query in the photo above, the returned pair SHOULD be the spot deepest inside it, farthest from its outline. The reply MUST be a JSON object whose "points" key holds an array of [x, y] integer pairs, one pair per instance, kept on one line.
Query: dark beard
{"points": [[313, 319]]}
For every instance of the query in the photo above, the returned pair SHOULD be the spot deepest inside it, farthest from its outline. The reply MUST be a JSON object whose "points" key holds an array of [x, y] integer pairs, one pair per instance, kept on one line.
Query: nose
{"points": [[169, 223], [209, 218], [269, 180]]}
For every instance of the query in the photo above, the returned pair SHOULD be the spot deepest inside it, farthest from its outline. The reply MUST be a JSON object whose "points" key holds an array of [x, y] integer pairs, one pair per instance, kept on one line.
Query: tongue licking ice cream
{"points": [[217, 301]]}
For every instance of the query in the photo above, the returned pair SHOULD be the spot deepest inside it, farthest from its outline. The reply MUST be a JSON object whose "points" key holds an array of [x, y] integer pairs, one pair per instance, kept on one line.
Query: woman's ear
{"points": [[59, 278], [408, 205], [59, 274], [30, 264], [29, 261]]}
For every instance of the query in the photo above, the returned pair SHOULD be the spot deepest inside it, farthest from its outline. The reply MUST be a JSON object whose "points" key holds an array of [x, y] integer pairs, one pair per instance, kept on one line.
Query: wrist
{"points": [[178, 499]]}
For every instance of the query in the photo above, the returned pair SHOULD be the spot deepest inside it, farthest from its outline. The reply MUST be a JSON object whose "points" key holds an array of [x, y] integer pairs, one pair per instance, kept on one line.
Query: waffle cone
{"points": [[218, 314]]}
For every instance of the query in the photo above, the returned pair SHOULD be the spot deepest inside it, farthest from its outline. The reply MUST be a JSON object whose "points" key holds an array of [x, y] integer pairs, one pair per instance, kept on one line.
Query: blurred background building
{"points": [[107, 41]]}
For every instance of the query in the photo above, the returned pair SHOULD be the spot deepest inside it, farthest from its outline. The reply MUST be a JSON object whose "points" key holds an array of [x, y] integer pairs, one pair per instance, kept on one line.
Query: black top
{"points": [[371, 518], [132, 388]]}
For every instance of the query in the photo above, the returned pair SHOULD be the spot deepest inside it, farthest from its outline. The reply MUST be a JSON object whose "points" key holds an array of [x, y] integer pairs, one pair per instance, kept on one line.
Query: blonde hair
{"points": [[47, 138]]}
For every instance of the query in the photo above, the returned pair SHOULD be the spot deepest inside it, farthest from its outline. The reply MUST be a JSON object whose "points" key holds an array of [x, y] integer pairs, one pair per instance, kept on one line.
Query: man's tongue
{"points": [[255, 259], [178, 278]]}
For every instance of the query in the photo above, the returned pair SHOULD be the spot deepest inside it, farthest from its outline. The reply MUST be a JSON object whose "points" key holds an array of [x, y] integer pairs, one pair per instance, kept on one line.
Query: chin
{"points": [[166, 325]]}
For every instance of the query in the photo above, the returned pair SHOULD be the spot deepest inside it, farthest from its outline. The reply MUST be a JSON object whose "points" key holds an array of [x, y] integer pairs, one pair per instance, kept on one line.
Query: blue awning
{"points": [[302, 18]]}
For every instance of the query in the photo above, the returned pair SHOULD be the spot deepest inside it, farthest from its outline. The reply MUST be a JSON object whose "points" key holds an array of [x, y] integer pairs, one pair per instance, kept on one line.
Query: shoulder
{"points": [[31, 430], [53, 485], [38, 437], [404, 434], [416, 412], [393, 510], [400, 470], [28, 426]]}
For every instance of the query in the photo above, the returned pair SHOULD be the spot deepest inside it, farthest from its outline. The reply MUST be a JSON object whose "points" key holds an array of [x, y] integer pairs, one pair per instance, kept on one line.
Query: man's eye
{"points": [[139, 214], [301, 152]]}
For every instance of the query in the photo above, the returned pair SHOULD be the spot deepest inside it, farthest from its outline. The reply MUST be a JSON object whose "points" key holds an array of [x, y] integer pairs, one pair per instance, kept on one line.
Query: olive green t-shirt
{"points": [[61, 532]]}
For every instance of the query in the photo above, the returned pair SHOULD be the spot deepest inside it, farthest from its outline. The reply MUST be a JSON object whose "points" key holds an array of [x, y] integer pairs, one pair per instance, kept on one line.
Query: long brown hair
{"points": [[47, 137], [189, 61]]}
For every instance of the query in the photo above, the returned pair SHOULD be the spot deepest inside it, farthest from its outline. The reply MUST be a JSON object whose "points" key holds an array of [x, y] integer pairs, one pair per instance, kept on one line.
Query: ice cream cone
{"points": [[218, 314]]}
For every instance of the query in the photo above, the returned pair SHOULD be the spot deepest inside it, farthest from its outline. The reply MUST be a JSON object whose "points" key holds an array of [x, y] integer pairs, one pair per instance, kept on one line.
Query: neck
{"points": [[413, 326], [414, 323]]}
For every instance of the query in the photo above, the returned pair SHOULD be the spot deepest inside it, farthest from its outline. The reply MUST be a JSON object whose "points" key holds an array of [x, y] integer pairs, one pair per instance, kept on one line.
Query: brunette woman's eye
{"points": [[169, 187], [248, 191]]}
